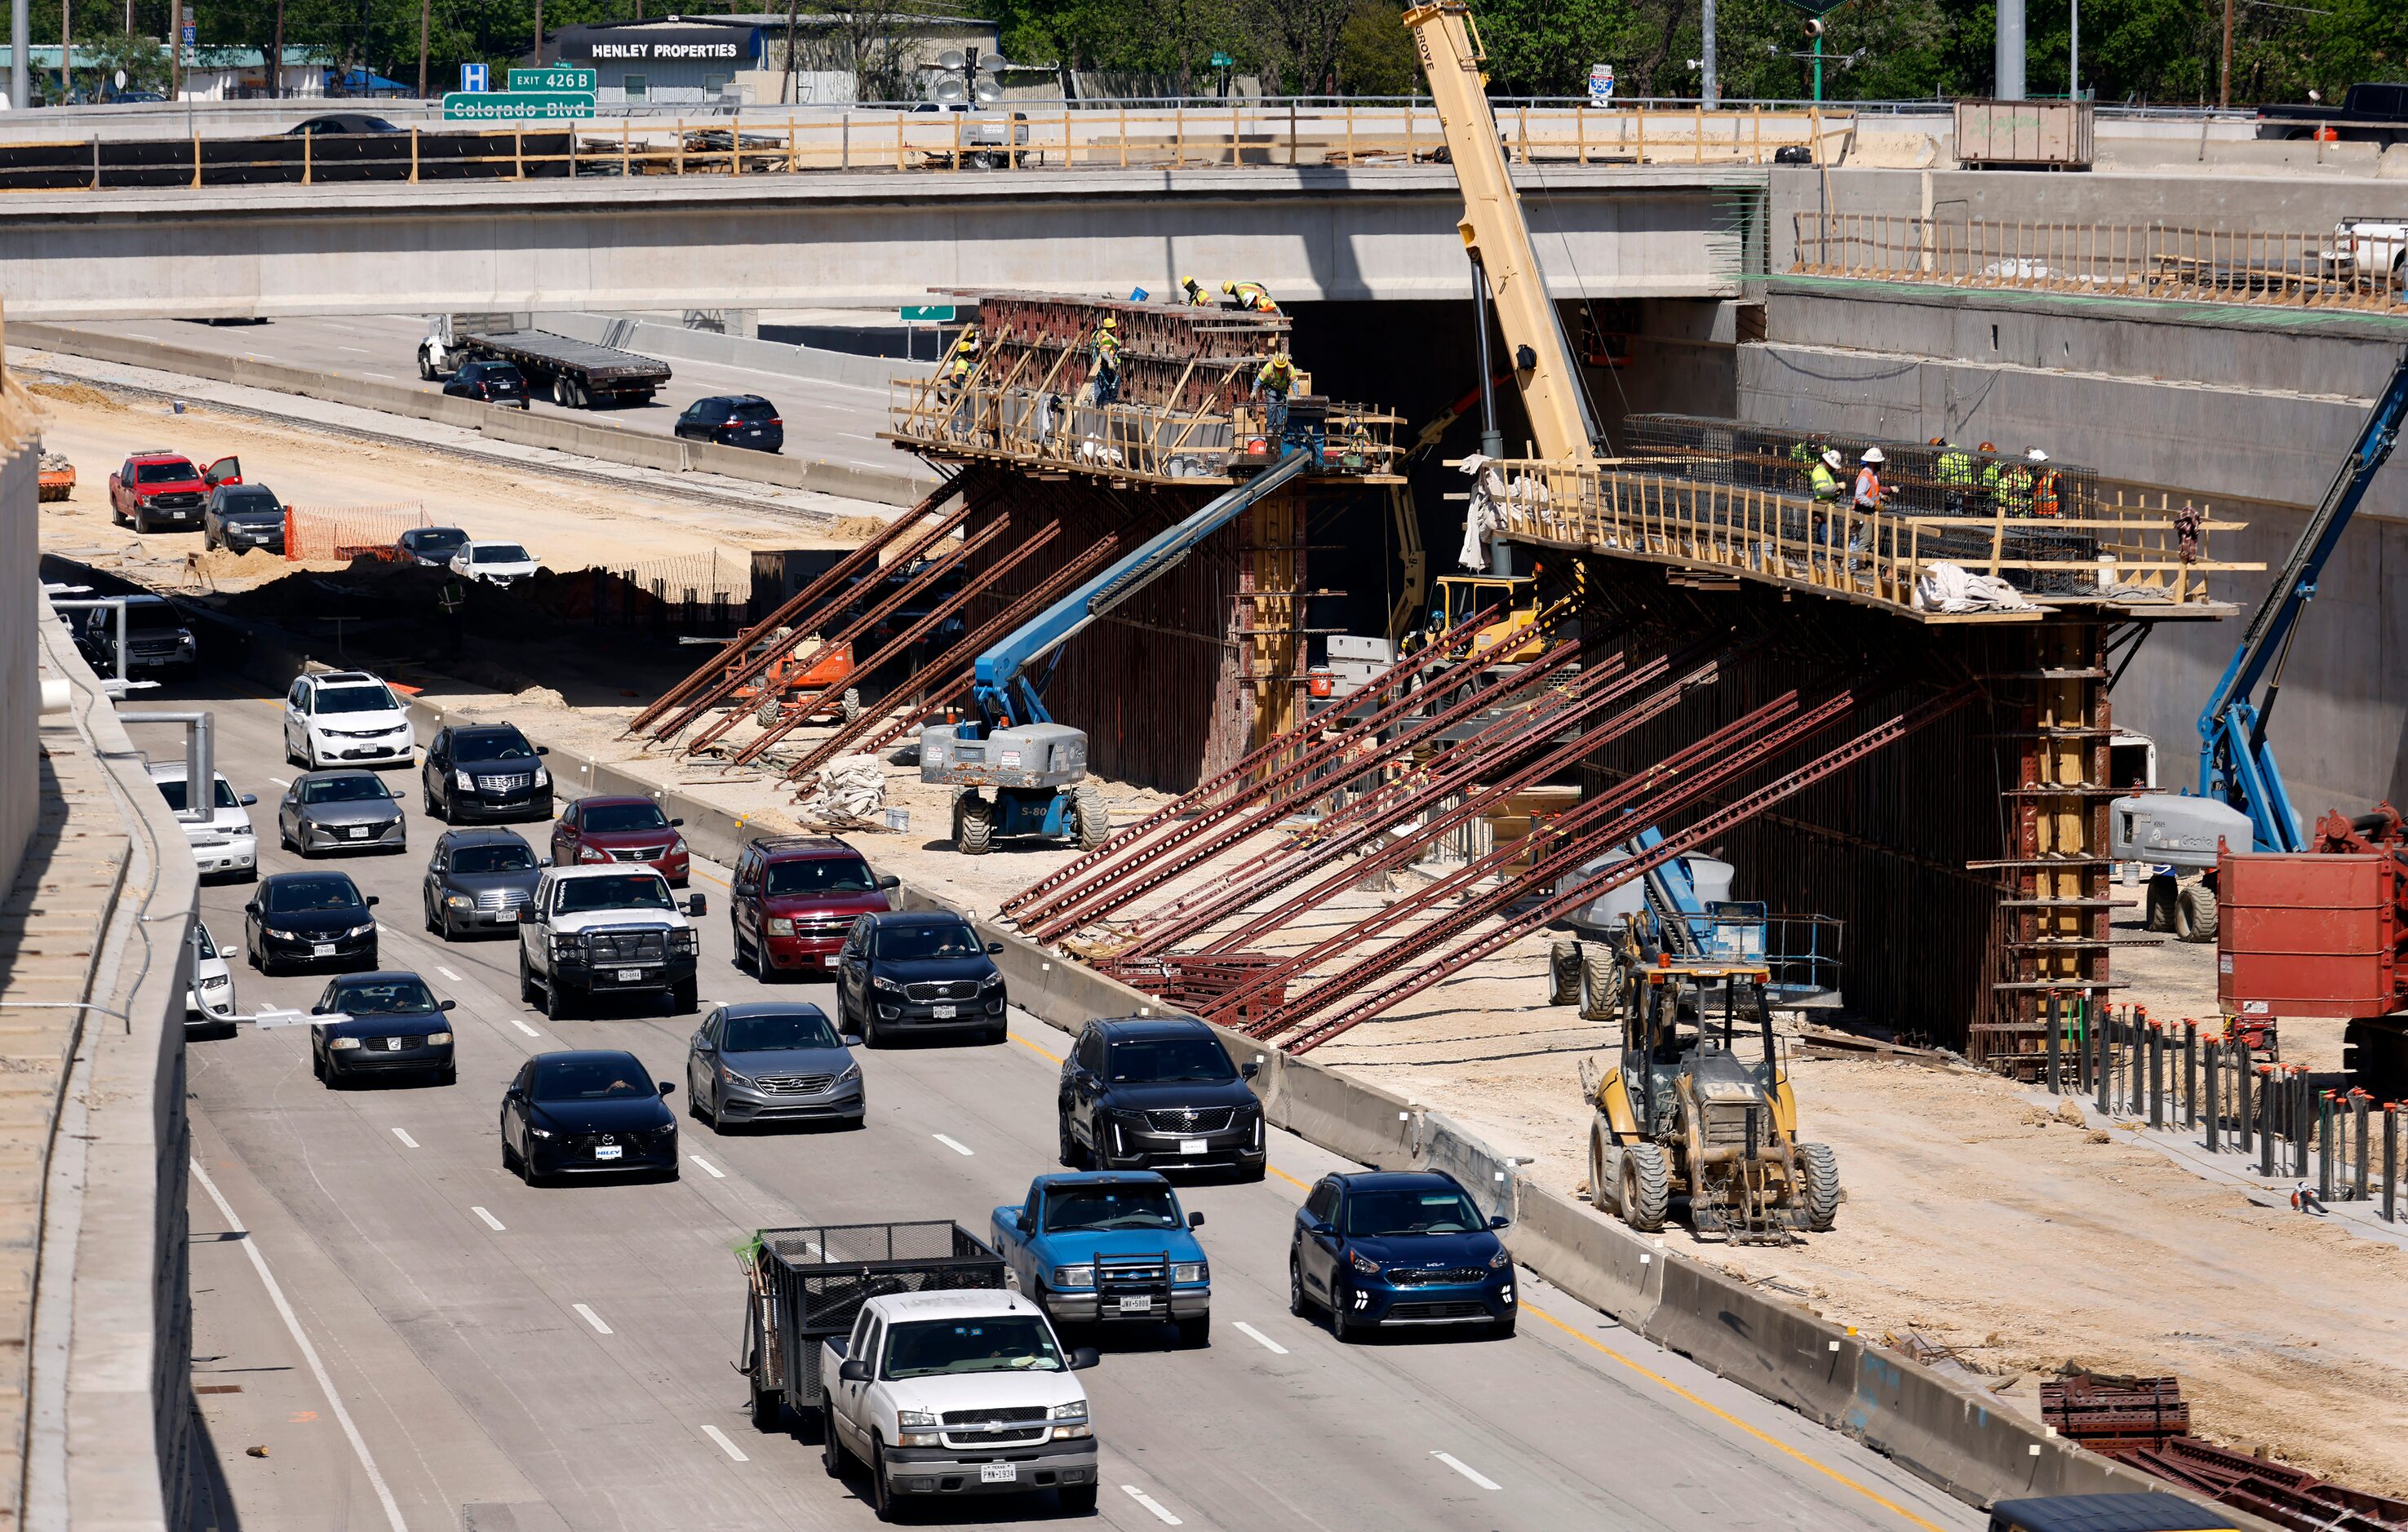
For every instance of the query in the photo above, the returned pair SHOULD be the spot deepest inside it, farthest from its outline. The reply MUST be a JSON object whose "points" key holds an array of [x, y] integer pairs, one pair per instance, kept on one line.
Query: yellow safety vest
{"points": [[1278, 373], [1107, 350], [1822, 485], [1255, 298], [1957, 467]]}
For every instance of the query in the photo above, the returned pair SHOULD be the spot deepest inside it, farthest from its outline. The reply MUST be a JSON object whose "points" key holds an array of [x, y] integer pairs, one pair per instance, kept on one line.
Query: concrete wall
{"points": [[19, 757], [841, 240], [675, 341]]}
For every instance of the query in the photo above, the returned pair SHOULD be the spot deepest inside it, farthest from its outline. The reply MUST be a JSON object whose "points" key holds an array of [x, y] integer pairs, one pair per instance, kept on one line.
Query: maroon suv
{"points": [[792, 899], [614, 829]]}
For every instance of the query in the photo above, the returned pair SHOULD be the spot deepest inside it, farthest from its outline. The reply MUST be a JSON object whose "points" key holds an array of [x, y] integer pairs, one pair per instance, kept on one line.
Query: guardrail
{"points": [[2279, 268]]}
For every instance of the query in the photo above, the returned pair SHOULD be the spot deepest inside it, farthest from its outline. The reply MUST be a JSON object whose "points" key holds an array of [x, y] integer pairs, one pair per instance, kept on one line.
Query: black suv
{"points": [[494, 382], [156, 638], [241, 517], [488, 771], [734, 420], [430, 546], [1158, 1093], [920, 972], [476, 882]]}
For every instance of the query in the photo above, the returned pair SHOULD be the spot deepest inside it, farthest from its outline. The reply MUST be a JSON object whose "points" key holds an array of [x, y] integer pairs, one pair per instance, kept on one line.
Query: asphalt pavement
{"points": [[413, 1338]]}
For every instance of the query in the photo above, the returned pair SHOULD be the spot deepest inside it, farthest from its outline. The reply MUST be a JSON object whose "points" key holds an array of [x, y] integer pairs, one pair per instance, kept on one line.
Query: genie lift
{"points": [[1033, 766]]}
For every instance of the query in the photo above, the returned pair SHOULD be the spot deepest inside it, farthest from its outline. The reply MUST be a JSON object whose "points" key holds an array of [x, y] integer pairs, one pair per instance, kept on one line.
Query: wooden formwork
{"points": [[1172, 355]]}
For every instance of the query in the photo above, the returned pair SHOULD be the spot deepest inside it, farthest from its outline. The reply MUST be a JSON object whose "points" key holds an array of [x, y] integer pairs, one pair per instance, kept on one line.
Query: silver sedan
{"points": [[343, 810], [770, 1060]]}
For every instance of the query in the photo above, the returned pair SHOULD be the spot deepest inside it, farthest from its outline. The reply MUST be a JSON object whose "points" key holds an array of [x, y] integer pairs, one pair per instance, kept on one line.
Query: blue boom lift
{"points": [[2240, 791], [1033, 766]]}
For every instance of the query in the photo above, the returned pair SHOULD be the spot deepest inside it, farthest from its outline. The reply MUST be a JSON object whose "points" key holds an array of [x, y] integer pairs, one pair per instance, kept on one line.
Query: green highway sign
{"points": [[554, 78], [517, 107], [929, 314]]}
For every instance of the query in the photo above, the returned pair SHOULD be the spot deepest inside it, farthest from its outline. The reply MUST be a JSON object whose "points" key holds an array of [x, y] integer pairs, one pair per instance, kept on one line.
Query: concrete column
{"points": [[2010, 66], [21, 77]]}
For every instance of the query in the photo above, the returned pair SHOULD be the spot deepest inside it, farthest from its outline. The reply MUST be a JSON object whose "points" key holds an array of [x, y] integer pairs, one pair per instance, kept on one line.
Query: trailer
{"points": [[806, 1284], [572, 374]]}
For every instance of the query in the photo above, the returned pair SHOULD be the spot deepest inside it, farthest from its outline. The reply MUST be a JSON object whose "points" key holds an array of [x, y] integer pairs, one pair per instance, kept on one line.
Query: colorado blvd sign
{"points": [[517, 107]]}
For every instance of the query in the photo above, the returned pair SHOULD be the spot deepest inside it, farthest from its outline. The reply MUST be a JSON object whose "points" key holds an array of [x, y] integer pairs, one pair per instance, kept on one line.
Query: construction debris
{"points": [[851, 793]]}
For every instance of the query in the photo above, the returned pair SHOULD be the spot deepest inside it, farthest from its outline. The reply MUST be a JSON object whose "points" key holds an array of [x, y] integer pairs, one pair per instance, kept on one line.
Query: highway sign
{"points": [[517, 106], [928, 313], [473, 78], [554, 78]]}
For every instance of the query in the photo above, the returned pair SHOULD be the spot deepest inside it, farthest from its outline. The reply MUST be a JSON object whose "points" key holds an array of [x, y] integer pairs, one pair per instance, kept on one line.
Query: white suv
{"points": [[341, 716], [226, 845]]}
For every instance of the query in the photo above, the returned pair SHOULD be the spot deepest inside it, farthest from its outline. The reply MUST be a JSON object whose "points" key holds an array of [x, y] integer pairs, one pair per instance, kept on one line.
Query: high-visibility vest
{"points": [[1199, 298], [2045, 494], [1957, 467], [1107, 350], [1254, 297], [1868, 490], [2013, 489], [1279, 373], [1824, 484]]}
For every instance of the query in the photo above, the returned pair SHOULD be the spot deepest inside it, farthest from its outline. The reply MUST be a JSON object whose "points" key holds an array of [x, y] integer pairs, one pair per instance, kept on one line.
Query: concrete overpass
{"points": [[858, 239]]}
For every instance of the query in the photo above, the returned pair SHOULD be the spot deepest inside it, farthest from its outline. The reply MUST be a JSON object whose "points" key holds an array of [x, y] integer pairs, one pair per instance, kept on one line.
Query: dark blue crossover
{"points": [[1381, 1248]]}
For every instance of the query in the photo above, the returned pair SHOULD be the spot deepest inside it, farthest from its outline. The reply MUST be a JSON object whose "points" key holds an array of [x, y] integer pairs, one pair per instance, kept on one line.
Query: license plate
{"points": [[1137, 1306], [942, 1014], [1191, 1146], [358, 832], [998, 1473], [321, 949], [605, 1152], [829, 960], [628, 976]]}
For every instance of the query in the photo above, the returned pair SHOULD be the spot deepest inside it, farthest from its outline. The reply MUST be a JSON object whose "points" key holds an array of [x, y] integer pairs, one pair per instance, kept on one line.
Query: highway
{"points": [[443, 1347], [835, 422]]}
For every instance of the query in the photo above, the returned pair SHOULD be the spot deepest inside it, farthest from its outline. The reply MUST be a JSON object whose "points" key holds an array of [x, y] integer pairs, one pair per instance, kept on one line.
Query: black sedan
{"points": [[348, 808], [477, 881], [241, 517], [339, 124], [309, 917], [493, 382], [734, 420], [432, 546], [383, 1024], [486, 772], [587, 1111], [914, 972]]}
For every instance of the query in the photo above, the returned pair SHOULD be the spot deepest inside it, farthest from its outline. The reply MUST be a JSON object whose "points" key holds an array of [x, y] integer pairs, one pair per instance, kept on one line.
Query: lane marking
{"points": [[405, 1138], [523, 1027], [1460, 1466], [954, 1144], [1034, 1048], [449, 974], [382, 929], [491, 1222], [1150, 1503], [136, 335], [714, 1171], [309, 1351], [1729, 1419], [592, 1318], [715, 1434], [1268, 1343], [279, 782], [1285, 1177], [356, 350], [386, 376]]}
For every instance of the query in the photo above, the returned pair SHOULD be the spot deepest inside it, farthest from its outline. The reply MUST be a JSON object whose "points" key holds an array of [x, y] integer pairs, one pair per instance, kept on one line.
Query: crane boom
{"points": [[1497, 235], [2235, 763]]}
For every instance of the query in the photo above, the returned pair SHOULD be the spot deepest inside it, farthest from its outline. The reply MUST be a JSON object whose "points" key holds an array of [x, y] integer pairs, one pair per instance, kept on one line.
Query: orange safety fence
{"points": [[347, 532]]}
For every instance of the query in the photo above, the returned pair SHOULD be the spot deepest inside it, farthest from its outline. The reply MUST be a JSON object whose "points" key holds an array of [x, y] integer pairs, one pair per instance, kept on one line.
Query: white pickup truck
{"points": [[958, 1393], [598, 930]]}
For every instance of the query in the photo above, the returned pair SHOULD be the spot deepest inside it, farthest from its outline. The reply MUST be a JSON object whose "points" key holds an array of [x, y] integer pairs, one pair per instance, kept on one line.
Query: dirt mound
{"points": [[255, 566], [856, 528], [77, 394]]}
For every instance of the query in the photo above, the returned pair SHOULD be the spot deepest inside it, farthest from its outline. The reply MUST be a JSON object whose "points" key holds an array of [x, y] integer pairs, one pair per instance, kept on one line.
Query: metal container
{"points": [[2025, 134], [2309, 935]]}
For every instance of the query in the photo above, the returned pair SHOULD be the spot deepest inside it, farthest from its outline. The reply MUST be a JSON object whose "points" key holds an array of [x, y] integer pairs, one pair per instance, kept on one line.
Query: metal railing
{"points": [[2279, 267], [2134, 556]]}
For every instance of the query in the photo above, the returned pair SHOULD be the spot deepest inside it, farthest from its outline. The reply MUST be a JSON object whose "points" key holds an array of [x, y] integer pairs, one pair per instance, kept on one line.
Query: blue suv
{"points": [[1382, 1246]]}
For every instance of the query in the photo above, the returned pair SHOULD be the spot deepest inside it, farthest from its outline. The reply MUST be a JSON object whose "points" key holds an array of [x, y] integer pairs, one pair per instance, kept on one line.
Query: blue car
{"points": [[1108, 1248], [1382, 1247]]}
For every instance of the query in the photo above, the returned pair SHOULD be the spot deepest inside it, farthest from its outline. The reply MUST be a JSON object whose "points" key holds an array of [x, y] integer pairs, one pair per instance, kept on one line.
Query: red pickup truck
{"points": [[160, 489]]}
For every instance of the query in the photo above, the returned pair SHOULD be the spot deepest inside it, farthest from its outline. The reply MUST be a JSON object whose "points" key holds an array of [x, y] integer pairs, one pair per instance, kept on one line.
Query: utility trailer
{"points": [[572, 374], [806, 1284]]}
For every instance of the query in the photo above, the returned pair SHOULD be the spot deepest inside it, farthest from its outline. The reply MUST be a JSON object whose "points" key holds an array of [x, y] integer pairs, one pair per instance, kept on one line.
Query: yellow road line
{"points": [[1730, 1419]]}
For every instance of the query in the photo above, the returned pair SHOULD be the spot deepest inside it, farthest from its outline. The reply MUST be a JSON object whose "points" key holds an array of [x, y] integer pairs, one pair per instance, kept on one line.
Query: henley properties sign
{"points": [[643, 44]]}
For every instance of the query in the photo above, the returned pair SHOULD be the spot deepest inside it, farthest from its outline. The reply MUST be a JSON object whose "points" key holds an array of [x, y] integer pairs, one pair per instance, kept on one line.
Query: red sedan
{"points": [[615, 829]]}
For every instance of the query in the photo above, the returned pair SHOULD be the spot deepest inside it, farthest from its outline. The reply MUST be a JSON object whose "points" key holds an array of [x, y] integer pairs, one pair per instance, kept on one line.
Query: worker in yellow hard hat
{"points": [[1105, 352], [1196, 297], [1250, 297], [1274, 380], [962, 361]]}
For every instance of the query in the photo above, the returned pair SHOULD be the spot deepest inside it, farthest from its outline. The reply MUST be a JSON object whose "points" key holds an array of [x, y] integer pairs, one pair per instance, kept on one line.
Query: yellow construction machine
{"points": [[1511, 637], [1697, 1109]]}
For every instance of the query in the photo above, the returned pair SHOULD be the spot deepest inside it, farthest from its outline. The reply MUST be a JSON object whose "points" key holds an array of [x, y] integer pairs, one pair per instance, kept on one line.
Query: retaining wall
{"points": [[805, 361]]}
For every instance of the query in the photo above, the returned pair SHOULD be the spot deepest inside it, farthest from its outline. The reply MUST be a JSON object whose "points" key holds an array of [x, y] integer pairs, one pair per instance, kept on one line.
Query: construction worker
{"points": [[1196, 297], [1107, 356], [2011, 487], [1822, 478], [2043, 483], [1273, 382], [1868, 496], [961, 362], [1250, 297], [1956, 475]]}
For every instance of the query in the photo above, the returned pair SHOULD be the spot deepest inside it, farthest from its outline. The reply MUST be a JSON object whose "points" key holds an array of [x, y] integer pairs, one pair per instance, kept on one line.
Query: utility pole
{"points": [[276, 59], [1712, 91], [66, 48], [425, 19], [2073, 85], [2010, 55], [2224, 76], [538, 34], [20, 42]]}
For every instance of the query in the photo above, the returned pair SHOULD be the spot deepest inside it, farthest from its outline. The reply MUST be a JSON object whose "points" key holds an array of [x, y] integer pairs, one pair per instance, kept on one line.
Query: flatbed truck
{"points": [[572, 374]]}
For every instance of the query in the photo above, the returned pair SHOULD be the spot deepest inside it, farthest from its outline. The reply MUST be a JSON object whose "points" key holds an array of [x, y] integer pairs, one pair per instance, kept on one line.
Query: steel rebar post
{"points": [[2324, 1118], [2302, 1119], [2239, 1093], [2391, 1158], [2359, 1102], [2056, 1032], [2099, 1044], [2266, 1121], [2190, 1075], [2214, 1121], [2082, 1046], [2156, 1076]]}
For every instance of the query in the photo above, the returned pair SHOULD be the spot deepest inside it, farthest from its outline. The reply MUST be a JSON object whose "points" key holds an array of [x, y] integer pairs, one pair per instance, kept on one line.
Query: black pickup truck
{"points": [[2369, 113]]}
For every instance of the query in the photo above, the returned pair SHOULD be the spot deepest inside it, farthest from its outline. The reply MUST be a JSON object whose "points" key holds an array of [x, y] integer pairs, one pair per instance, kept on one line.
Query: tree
{"points": [[1375, 51]]}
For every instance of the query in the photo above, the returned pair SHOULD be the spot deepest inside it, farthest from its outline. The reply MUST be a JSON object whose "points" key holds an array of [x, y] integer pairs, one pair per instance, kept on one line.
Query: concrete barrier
{"points": [[1603, 1265], [808, 363]]}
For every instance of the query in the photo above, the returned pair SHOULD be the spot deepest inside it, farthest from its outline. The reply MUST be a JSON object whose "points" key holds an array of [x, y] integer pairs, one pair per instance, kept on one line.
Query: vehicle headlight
{"points": [[677, 847], [542, 778], [183, 640], [562, 946], [338, 1044], [1072, 1432], [684, 941], [361, 930], [592, 854], [1076, 1409], [240, 830], [890, 986], [780, 926], [1074, 1276], [733, 1077], [992, 981], [916, 1420], [852, 1071], [541, 1132], [1187, 1272], [438, 1039], [1502, 1259], [463, 781], [1362, 1263], [284, 936], [459, 901]]}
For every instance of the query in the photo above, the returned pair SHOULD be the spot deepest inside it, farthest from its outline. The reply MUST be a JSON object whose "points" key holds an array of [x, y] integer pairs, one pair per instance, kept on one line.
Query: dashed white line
{"points": [[279, 782], [1266, 1341], [715, 1434], [491, 1222], [523, 1027], [1459, 1466], [954, 1144], [599, 1328], [386, 376], [449, 974], [356, 350], [136, 335], [382, 929], [403, 1134], [1150, 1503], [716, 1173]]}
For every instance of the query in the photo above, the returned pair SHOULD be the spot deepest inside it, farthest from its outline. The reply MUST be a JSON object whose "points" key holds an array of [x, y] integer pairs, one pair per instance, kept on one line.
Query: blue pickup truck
{"points": [[1108, 1247]]}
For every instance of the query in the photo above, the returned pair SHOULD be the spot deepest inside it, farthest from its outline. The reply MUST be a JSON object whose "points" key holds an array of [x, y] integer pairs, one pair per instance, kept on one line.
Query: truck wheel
{"points": [[851, 706], [1821, 1172], [1072, 1155], [1341, 1329], [1600, 982], [1077, 1499], [555, 999], [1094, 821], [2158, 903], [1646, 1188], [832, 1452], [973, 827], [1602, 1168], [2195, 914], [425, 366], [1195, 1333], [881, 1494], [1564, 973], [527, 981]]}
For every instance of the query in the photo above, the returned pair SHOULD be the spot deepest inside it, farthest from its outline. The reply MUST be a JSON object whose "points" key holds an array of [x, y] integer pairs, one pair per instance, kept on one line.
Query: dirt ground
{"points": [[1974, 1219]]}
